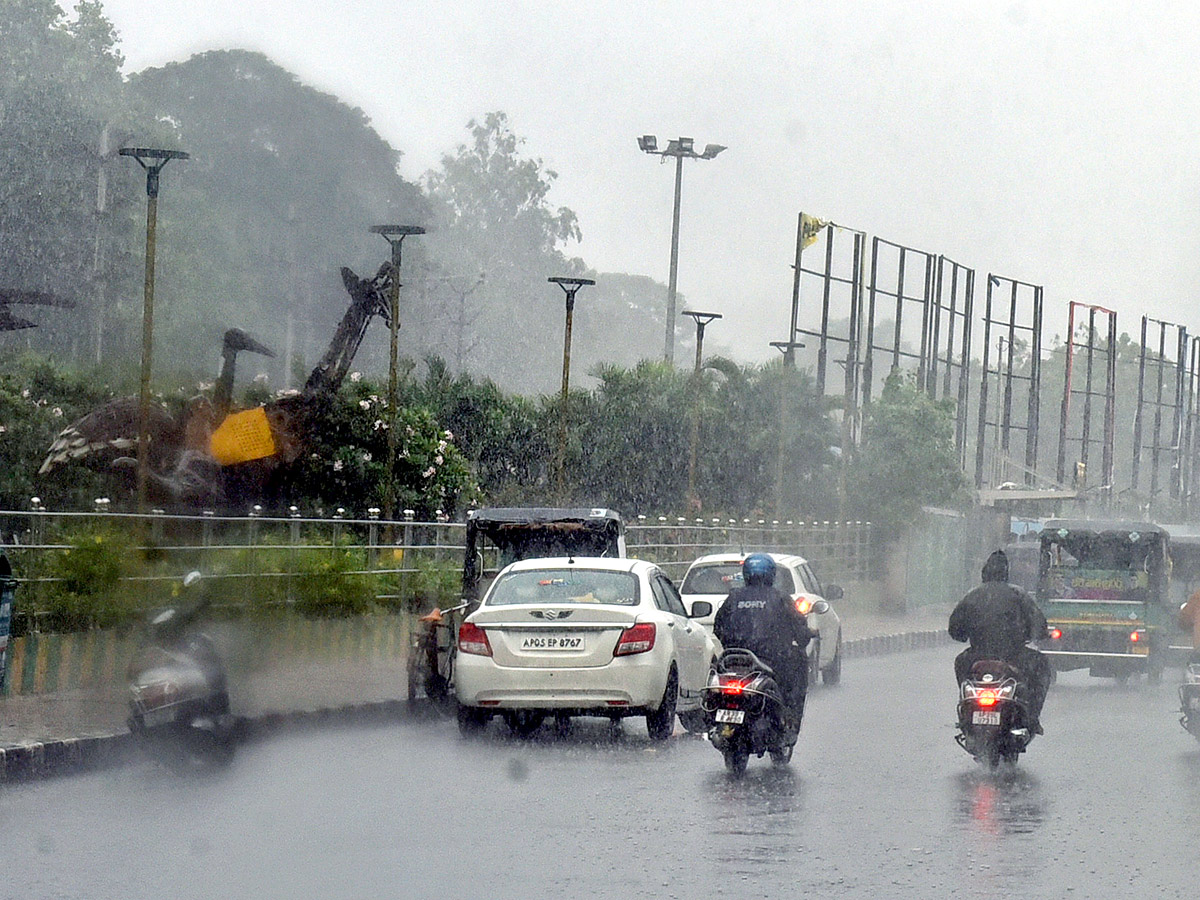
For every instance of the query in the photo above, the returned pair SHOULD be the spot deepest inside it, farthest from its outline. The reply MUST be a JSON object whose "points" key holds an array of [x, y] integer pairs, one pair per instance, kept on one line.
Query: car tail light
{"points": [[636, 639], [473, 639], [803, 605], [987, 698], [1055, 634], [1136, 636]]}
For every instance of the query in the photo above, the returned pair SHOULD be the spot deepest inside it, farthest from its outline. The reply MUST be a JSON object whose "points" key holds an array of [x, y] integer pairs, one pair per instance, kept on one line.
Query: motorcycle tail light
{"points": [[1136, 636], [986, 698], [1055, 634], [473, 639], [733, 686]]}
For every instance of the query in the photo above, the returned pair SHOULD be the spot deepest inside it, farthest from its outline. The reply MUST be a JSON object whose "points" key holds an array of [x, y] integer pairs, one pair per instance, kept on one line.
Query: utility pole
{"points": [[680, 148], [701, 319], [394, 235], [570, 287], [152, 161]]}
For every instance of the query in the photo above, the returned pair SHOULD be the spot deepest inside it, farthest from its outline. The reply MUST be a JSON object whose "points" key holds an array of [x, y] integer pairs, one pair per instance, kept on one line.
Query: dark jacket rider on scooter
{"points": [[999, 619], [765, 621]]}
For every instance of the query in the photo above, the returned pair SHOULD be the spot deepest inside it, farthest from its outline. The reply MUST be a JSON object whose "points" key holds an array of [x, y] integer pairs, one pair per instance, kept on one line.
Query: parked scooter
{"points": [[1189, 700], [179, 703], [746, 710], [993, 719]]}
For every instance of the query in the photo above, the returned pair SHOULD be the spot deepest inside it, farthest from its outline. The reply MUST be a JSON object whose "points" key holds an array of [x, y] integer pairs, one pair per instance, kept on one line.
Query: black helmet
{"points": [[996, 567], [758, 568]]}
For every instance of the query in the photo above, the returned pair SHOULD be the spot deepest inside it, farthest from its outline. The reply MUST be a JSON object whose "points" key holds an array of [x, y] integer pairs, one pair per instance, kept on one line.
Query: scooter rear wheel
{"points": [[781, 756], [736, 760]]}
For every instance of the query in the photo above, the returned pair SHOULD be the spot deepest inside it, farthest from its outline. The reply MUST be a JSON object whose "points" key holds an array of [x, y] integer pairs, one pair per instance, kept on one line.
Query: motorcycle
{"points": [[1189, 700], [993, 718], [431, 659], [745, 708], [178, 699]]}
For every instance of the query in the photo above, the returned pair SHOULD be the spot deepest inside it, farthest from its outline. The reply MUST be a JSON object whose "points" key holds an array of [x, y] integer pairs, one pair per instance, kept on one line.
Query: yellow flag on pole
{"points": [[810, 229], [243, 436]]}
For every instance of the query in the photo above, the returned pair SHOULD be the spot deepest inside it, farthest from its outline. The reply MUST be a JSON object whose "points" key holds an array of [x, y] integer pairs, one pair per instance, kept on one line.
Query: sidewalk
{"points": [[332, 685]]}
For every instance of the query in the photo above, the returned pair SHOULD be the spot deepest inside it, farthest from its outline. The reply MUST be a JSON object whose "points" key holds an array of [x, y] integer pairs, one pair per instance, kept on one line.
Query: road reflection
{"points": [[1007, 801]]}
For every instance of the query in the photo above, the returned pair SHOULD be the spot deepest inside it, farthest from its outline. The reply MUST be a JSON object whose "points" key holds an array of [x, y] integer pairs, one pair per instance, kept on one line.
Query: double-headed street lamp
{"points": [[152, 161], [571, 287], [701, 319], [394, 235], [680, 148]]}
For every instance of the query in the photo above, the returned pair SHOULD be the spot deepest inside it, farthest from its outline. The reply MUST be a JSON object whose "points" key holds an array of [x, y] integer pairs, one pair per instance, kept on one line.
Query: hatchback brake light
{"points": [[473, 639], [636, 639]]}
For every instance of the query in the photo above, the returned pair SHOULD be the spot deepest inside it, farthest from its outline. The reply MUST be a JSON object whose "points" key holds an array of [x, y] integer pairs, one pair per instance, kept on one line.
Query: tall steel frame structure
{"points": [[1166, 371], [1091, 348], [1015, 322]]}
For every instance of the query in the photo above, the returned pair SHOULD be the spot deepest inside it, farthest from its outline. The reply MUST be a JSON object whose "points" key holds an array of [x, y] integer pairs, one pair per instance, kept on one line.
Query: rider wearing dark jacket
{"points": [[765, 621], [999, 619]]}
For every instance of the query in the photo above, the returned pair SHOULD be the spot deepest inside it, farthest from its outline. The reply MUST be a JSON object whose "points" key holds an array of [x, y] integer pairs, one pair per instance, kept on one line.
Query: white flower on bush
{"points": [[429, 473], [408, 429], [366, 457], [338, 465], [3, 429], [25, 393], [355, 377], [441, 446], [438, 460], [380, 425], [364, 404], [56, 412], [449, 434]]}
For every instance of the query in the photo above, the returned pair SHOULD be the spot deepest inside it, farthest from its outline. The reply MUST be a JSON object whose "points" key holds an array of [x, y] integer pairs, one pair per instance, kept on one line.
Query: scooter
{"points": [[1189, 700], [179, 702], [746, 710], [993, 718]]}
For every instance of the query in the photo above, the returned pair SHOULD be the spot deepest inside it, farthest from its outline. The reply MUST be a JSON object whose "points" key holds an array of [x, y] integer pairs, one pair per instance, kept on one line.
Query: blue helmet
{"points": [[758, 568]]}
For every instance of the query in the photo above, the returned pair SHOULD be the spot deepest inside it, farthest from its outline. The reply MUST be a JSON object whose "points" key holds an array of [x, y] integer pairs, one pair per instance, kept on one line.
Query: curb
{"points": [[46, 759], [895, 643]]}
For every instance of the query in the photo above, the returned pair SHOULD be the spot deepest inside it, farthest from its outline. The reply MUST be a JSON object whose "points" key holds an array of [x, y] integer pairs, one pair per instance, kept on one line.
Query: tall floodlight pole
{"points": [[394, 235], [788, 349], [680, 148], [152, 161], [570, 287], [701, 319]]}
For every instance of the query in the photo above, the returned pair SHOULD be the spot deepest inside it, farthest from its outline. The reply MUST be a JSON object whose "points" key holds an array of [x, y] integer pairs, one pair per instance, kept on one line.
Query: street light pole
{"points": [[701, 319], [570, 287], [394, 235], [680, 148], [152, 161], [788, 348]]}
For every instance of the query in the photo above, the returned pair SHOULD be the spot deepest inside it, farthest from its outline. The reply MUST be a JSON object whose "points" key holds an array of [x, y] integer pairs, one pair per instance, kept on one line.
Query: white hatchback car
{"points": [[710, 579], [581, 637]]}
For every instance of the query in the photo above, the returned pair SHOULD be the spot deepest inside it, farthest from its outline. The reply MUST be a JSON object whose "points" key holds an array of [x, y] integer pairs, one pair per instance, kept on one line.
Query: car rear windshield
{"points": [[721, 578], [560, 586]]}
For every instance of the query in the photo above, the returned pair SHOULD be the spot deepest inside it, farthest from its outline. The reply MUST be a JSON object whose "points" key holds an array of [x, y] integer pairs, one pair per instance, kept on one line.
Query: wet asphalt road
{"points": [[880, 802]]}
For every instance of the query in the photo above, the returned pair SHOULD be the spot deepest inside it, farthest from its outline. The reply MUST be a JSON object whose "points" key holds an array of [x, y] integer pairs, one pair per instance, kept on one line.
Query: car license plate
{"points": [[733, 716], [154, 717], [981, 717], [553, 642]]}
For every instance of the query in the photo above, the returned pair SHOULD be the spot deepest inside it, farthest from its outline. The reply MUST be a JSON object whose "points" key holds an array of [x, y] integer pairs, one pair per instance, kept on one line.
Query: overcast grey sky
{"points": [[1050, 142]]}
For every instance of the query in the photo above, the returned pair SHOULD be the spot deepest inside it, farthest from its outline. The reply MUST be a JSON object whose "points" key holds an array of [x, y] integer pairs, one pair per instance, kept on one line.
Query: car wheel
{"points": [[695, 721], [524, 722], [471, 720], [832, 673], [661, 722]]}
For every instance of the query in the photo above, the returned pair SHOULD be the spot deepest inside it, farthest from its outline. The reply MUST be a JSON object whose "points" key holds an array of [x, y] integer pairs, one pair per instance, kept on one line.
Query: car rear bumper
{"points": [[625, 683]]}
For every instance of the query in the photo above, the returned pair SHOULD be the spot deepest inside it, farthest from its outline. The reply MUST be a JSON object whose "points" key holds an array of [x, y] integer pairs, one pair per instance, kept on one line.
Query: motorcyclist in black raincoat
{"points": [[999, 619], [765, 621]]}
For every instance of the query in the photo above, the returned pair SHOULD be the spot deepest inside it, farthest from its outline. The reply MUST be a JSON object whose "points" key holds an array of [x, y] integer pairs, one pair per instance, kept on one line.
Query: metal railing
{"points": [[275, 552]]}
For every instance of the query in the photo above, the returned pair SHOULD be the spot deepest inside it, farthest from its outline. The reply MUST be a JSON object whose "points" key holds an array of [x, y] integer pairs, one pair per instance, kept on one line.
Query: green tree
{"points": [[908, 459], [494, 224]]}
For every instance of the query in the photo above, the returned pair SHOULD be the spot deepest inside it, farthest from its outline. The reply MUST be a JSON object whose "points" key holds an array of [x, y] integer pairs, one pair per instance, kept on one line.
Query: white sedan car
{"points": [[710, 579], [580, 637]]}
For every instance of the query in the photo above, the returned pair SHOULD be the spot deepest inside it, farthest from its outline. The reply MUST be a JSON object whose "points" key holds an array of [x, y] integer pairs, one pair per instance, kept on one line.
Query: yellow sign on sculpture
{"points": [[243, 436]]}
